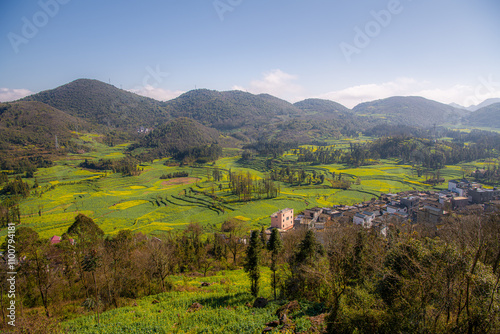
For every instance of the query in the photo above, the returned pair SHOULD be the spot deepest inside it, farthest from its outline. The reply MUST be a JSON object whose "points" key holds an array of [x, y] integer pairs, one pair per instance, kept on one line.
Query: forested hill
{"points": [[35, 124], [101, 103], [321, 107], [179, 138], [231, 109], [411, 110], [486, 117]]}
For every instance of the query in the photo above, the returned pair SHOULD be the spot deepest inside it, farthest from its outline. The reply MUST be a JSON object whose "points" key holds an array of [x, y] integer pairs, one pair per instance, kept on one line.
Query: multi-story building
{"points": [[282, 219]]}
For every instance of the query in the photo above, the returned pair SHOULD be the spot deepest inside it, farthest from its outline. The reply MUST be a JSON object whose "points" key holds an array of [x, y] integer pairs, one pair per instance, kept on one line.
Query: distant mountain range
{"points": [[245, 115], [483, 104], [488, 116]]}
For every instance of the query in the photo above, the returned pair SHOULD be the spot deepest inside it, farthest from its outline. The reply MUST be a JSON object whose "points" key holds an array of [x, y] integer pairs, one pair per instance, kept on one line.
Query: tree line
{"points": [[247, 187], [128, 166], [427, 153]]}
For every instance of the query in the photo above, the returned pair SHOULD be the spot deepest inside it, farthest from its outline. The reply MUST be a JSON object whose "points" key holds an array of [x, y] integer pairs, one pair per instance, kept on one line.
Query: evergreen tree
{"points": [[309, 249], [252, 262], [262, 236], [305, 266], [275, 246]]}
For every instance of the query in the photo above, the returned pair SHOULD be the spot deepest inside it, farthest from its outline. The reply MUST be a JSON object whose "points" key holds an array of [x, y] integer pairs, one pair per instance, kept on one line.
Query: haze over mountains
{"points": [[483, 104], [104, 105], [486, 116]]}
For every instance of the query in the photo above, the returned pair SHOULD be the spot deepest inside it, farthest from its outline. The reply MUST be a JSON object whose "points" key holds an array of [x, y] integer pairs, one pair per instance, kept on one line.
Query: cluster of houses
{"points": [[415, 206], [143, 129]]}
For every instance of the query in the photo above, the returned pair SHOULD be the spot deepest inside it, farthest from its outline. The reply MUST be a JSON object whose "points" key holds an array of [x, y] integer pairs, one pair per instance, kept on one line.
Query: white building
{"points": [[365, 218]]}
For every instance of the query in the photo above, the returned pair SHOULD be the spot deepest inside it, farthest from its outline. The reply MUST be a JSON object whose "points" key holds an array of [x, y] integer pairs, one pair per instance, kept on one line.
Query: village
{"points": [[428, 207]]}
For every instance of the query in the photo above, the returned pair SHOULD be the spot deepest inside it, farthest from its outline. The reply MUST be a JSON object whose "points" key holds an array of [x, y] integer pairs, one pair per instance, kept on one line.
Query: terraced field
{"points": [[149, 204]]}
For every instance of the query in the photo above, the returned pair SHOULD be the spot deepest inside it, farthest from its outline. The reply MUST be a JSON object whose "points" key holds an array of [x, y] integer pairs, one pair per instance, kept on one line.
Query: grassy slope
{"points": [[224, 309]]}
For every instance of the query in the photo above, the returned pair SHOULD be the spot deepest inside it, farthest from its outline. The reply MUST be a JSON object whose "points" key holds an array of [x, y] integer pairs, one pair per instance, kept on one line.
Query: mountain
{"points": [[178, 136], [104, 104], [231, 109], [485, 117], [410, 110], [319, 106], [456, 105], [483, 104], [30, 127]]}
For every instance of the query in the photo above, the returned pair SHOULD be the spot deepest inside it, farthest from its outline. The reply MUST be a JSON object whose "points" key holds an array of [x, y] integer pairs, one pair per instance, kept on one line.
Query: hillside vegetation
{"points": [[411, 110], [486, 117], [35, 131], [230, 110], [412, 278], [321, 107], [179, 138], [101, 103]]}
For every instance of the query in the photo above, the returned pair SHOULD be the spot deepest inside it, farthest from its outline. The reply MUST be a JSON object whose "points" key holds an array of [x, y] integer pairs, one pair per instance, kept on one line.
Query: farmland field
{"points": [[148, 204]]}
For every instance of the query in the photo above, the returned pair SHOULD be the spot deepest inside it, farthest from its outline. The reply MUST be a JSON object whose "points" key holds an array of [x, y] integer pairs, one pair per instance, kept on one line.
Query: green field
{"points": [[148, 204], [224, 309]]}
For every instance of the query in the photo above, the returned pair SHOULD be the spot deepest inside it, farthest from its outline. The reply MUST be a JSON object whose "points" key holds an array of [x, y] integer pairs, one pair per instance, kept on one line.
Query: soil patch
{"points": [[179, 181]]}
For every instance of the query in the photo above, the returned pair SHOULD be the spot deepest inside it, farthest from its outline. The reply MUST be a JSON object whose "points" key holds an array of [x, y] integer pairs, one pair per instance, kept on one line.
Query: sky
{"points": [[342, 50]]}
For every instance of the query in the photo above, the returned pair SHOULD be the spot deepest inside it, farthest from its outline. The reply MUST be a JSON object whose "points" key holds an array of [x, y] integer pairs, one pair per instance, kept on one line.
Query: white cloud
{"points": [[156, 93], [9, 94], [462, 94], [276, 83]]}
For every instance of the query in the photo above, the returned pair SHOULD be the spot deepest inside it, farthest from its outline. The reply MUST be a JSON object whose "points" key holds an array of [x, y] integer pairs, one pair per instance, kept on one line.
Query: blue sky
{"points": [[347, 51]]}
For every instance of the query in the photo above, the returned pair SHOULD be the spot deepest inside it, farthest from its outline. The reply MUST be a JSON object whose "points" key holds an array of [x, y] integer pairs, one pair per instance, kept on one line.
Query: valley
{"points": [[147, 213], [148, 204]]}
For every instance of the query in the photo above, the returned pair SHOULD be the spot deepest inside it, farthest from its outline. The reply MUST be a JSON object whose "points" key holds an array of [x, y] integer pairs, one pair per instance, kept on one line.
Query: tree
{"points": [[90, 264], [85, 229], [160, 259], [275, 246], [263, 238], [236, 228], [36, 264], [88, 237], [190, 249], [309, 249], [252, 262], [307, 269]]}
